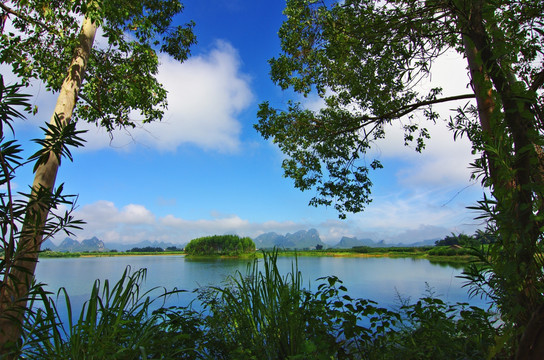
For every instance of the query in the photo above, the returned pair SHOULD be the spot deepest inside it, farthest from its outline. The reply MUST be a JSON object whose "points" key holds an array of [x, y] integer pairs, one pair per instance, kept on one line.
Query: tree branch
{"points": [[409, 108], [8, 10], [400, 112], [91, 104], [538, 81]]}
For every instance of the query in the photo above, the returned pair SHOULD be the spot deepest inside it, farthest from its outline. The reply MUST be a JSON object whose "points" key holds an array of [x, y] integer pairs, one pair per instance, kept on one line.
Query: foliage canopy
{"points": [[40, 36], [365, 59]]}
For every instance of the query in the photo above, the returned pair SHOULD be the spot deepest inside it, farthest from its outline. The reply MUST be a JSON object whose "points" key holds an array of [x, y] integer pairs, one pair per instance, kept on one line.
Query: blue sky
{"points": [[204, 170]]}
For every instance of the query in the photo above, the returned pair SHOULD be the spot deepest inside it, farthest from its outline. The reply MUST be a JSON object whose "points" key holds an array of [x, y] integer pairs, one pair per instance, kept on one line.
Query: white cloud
{"points": [[205, 95], [136, 214], [443, 161], [105, 212], [417, 214], [393, 220], [134, 223]]}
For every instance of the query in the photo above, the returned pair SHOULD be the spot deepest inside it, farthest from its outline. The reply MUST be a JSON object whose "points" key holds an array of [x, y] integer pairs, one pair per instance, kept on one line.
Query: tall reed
{"points": [[263, 314], [117, 322]]}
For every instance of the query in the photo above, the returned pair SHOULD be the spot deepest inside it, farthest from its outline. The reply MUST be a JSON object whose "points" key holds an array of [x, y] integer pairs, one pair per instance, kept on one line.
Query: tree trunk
{"points": [[516, 182], [484, 97], [18, 278], [515, 194]]}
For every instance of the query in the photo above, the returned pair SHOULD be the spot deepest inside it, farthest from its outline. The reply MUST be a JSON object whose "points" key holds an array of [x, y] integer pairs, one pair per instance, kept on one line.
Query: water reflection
{"points": [[379, 279]]}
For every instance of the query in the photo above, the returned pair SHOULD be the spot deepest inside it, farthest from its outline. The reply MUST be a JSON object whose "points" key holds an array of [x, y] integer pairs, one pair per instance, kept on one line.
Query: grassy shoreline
{"points": [[415, 253], [389, 254], [58, 254]]}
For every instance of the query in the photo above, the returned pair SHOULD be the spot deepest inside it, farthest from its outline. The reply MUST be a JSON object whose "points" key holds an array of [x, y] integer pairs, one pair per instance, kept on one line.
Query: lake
{"points": [[378, 279]]}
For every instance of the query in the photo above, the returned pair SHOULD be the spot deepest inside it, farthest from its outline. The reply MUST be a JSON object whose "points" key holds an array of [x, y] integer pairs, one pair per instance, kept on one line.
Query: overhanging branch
{"points": [[405, 110], [400, 112]]}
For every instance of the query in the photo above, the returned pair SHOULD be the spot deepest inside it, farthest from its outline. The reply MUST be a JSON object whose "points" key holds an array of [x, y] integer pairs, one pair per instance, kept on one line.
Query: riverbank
{"points": [[453, 258], [58, 254], [434, 254]]}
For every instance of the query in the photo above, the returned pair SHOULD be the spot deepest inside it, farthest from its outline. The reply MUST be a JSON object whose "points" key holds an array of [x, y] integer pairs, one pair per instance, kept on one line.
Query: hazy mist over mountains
{"points": [[303, 239]]}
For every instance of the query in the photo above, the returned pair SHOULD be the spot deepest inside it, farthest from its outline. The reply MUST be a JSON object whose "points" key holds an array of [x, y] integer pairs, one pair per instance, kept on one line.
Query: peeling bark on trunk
{"points": [[519, 189], [484, 99], [18, 279]]}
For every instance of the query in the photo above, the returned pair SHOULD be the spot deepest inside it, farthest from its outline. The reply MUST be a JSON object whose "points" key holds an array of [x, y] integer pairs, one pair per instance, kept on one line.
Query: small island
{"points": [[220, 245]]}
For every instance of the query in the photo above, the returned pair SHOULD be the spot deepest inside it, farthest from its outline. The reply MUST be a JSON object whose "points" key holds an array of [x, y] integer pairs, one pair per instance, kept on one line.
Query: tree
{"points": [[146, 249], [19, 209], [49, 43], [364, 59], [461, 239], [448, 241]]}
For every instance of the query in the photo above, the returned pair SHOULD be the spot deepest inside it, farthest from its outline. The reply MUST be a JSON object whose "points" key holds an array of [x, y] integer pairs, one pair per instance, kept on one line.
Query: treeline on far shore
{"points": [[66, 254], [452, 247]]}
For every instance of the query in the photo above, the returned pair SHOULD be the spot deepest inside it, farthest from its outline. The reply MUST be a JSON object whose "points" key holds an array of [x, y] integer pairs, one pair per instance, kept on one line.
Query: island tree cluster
{"points": [[220, 245]]}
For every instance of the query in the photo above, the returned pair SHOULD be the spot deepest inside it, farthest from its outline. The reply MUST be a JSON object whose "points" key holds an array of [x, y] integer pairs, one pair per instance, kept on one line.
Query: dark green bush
{"points": [[450, 251]]}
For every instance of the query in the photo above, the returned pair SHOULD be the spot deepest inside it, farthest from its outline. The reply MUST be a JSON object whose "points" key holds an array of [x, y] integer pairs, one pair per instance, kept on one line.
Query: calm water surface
{"points": [[378, 279]]}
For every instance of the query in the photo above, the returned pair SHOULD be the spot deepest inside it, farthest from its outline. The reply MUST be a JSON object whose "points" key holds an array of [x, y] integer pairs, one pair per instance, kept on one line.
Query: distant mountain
{"points": [[71, 245], [349, 242], [48, 244], [68, 245], [92, 245], [299, 240], [268, 240], [429, 242], [382, 243]]}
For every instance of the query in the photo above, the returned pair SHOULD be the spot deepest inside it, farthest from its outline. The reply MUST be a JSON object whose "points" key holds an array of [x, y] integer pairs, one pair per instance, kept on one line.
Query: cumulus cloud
{"points": [[421, 214], [105, 212], [443, 161], [134, 223], [206, 93], [393, 220]]}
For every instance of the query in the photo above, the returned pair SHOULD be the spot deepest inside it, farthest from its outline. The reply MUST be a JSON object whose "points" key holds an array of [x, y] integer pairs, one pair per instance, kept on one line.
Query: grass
{"points": [[429, 253], [116, 322]]}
